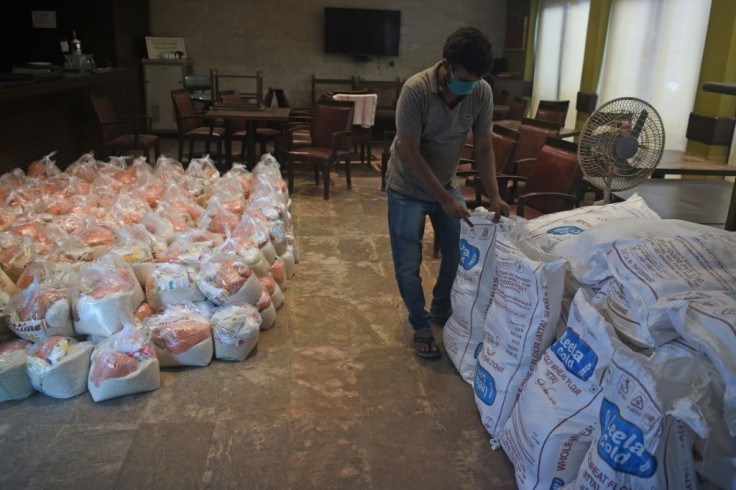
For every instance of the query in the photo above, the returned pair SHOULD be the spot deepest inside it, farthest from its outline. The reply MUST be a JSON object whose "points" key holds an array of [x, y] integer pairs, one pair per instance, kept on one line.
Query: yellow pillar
{"points": [[531, 35], [595, 45], [718, 65]]}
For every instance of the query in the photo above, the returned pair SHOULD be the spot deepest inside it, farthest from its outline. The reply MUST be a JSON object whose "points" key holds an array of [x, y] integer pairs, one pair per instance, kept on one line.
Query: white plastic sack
{"points": [[707, 322], [472, 294], [181, 336], [652, 268], [101, 293], [225, 278], [586, 252], [236, 329], [58, 366], [550, 229], [267, 310], [172, 284], [14, 381], [519, 327], [551, 426], [123, 364], [40, 311], [633, 445]]}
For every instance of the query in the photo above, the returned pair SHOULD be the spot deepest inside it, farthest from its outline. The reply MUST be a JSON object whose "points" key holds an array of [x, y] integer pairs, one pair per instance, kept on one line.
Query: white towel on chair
{"points": [[365, 107]]}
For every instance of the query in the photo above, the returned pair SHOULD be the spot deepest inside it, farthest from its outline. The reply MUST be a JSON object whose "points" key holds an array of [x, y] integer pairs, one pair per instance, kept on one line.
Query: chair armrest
{"points": [[522, 199], [291, 128], [523, 162]]}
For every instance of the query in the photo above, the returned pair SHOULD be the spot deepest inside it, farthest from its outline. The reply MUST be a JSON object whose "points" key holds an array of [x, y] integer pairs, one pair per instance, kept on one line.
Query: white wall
{"points": [[285, 37]]}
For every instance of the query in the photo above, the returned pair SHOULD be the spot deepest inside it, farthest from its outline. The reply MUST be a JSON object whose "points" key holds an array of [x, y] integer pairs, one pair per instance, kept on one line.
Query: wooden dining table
{"points": [[676, 162], [251, 116], [696, 200], [513, 125]]}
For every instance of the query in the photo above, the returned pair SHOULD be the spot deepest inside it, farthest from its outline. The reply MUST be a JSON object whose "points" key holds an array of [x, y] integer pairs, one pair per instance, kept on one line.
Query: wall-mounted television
{"points": [[362, 31]]}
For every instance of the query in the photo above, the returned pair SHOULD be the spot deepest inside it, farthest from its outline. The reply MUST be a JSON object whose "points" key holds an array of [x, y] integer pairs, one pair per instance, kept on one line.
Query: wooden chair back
{"points": [[556, 170], [105, 115], [330, 117], [532, 136], [517, 109], [553, 111]]}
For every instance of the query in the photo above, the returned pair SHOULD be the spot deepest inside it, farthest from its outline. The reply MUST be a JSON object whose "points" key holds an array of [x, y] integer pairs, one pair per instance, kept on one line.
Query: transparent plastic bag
{"points": [[101, 293], [181, 337], [123, 364]]}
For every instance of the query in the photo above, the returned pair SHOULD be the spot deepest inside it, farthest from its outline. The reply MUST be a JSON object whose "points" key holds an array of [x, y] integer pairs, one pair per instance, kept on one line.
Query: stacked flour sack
{"points": [[628, 377], [111, 271]]}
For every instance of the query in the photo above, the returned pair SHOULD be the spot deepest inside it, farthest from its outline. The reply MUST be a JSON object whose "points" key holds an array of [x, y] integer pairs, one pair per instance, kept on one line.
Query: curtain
{"points": [[653, 52], [559, 52]]}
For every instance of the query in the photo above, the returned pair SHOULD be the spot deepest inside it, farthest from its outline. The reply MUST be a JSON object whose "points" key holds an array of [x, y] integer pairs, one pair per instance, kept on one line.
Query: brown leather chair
{"points": [[264, 134], [331, 142], [362, 137], [553, 181], [532, 136], [517, 109], [552, 111], [191, 126], [123, 134], [504, 143]]}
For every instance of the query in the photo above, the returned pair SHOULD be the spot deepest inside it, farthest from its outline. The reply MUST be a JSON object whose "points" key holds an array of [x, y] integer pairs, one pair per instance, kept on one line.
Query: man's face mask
{"points": [[459, 87]]}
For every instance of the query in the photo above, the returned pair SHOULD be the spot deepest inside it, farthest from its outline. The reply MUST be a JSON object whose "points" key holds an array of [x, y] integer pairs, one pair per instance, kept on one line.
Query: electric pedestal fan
{"points": [[620, 145]]}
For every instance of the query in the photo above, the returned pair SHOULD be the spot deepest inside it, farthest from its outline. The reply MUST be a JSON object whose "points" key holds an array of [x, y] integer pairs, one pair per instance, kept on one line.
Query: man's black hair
{"points": [[469, 48]]}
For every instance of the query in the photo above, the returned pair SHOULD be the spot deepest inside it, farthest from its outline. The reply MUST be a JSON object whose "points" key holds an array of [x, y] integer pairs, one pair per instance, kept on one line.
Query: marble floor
{"points": [[333, 397]]}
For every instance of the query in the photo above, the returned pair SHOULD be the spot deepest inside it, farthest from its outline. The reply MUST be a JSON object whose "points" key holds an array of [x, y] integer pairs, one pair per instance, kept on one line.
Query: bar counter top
{"points": [[13, 90]]}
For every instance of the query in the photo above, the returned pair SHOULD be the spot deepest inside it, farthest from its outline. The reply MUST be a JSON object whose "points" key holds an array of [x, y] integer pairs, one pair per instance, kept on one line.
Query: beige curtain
{"points": [[653, 52], [559, 52]]}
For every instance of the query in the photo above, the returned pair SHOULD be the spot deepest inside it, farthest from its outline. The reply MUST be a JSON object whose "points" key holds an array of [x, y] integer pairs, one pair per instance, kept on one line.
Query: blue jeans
{"points": [[406, 218]]}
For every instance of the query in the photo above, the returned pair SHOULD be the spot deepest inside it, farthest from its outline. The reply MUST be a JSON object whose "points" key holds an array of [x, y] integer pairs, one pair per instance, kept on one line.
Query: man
{"points": [[436, 109]]}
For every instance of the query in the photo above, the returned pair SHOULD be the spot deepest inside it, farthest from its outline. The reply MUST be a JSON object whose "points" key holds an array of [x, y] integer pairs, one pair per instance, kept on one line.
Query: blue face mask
{"points": [[459, 87]]}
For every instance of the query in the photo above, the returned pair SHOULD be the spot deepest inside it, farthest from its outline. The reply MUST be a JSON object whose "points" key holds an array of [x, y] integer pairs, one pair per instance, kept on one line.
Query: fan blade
{"points": [[640, 123]]}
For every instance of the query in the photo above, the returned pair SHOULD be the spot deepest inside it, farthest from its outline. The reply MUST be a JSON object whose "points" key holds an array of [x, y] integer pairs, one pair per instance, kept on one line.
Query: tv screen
{"points": [[362, 31]]}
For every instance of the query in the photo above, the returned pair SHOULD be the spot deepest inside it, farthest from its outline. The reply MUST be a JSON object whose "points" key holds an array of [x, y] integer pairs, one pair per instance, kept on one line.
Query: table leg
{"points": [[228, 143], [251, 156]]}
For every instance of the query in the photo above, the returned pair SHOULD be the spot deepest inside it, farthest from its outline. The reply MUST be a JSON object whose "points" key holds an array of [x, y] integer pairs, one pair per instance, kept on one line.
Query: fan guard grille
{"points": [[621, 144]]}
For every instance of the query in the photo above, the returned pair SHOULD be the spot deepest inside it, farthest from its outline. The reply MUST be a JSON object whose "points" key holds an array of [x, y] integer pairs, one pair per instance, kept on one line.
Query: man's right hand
{"points": [[455, 208]]}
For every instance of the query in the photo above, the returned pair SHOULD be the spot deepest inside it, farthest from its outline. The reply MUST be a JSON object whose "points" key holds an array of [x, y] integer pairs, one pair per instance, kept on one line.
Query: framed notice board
{"points": [[159, 47]]}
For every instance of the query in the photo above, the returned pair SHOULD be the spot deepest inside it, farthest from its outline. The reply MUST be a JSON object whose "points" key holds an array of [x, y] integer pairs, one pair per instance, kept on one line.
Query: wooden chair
{"points": [[191, 126], [362, 137], [553, 181], [322, 85], [264, 134], [331, 142], [533, 133], [199, 87], [517, 109], [504, 143], [552, 111], [123, 134], [250, 88]]}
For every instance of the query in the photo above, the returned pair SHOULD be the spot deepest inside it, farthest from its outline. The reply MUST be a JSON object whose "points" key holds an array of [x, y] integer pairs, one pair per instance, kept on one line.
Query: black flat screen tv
{"points": [[362, 31]]}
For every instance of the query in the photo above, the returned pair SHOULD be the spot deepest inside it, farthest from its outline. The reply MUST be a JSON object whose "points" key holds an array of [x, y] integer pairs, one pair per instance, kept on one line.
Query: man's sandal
{"points": [[430, 353]]}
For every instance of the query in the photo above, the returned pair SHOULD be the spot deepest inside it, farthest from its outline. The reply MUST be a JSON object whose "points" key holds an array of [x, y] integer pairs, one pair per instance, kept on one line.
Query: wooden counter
{"points": [[57, 115]]}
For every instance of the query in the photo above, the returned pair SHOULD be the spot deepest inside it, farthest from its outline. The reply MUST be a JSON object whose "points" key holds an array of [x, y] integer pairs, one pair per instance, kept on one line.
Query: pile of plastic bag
{"points": [[113, 270], [602, 343]]}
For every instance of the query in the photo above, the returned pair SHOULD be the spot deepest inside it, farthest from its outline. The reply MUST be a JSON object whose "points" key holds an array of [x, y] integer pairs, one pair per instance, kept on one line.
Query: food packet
{"points": [[225, 277], [182, 336], [101, 293], [123, 364]]}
